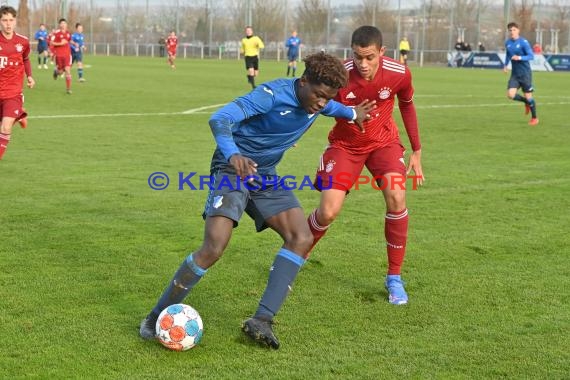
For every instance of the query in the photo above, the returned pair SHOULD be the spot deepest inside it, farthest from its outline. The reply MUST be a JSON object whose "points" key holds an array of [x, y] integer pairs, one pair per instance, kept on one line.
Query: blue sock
{"points": [[283, 272], [532, 106], [80, 72], [183, 281], [520, 98]]}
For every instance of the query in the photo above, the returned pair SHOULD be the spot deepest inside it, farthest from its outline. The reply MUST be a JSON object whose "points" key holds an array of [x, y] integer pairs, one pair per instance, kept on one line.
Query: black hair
{"points": [[367, 36]]}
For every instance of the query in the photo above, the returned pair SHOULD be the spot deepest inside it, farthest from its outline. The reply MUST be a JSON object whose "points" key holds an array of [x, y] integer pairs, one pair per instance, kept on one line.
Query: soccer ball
{"points": [[179, 327]]}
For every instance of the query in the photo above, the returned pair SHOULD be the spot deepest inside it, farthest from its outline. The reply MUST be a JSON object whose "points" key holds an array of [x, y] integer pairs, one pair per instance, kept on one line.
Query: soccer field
{"points": [[87, 246]]}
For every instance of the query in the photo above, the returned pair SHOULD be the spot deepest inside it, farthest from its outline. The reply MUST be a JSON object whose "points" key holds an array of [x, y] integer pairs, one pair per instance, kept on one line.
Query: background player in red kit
{"points": [[14, 62], [374, 77], [171, 44], [60, 42]]}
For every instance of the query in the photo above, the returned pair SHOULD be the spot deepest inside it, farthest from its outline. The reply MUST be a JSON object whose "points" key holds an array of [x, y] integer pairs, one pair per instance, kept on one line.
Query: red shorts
{"points": [[340, 170], [62, 62], [13, 107]]}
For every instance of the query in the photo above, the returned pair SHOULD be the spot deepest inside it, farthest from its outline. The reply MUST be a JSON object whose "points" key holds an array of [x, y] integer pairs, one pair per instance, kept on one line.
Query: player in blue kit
{"points": [[41, 36], [292, 44], [77, 46], [519, 53], [252, 134]]}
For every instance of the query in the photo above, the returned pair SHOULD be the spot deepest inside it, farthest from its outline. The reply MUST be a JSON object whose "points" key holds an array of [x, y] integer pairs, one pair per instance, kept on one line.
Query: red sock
{"points": [[317, 230], [4, 140], [396, 232]]}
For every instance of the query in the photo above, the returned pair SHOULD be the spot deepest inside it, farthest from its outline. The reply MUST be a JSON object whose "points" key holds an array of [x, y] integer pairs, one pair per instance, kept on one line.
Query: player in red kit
{"points": [[372, 76], [60, 42], [14, 62], [171, 44]]}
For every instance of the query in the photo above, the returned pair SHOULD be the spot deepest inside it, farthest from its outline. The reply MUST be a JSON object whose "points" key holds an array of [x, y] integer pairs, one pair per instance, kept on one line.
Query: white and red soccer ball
{"points": [[179, 327]]}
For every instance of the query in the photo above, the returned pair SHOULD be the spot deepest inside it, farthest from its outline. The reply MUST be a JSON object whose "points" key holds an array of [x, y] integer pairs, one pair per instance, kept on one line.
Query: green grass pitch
{"points": [[86, 246]]}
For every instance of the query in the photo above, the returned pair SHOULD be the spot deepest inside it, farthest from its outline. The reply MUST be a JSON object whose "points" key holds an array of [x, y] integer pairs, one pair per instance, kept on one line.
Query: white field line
{"points": [[204, 110]]}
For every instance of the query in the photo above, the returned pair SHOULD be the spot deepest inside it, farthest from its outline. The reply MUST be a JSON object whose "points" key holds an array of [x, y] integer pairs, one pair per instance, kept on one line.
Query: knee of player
{"points": [[327, 215], [210, 252], [396, 201], [299, 241]]}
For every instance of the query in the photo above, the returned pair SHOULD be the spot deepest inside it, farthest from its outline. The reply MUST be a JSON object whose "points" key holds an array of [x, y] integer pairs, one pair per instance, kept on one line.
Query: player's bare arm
{"points": [[31, 82]]}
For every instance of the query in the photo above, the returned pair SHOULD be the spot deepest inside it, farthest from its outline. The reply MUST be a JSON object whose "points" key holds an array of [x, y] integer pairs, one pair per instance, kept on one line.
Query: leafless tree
{"points": [[267, 18], [522, 13], [373, 12], [311, 18], [24, 17], [562, 22]]}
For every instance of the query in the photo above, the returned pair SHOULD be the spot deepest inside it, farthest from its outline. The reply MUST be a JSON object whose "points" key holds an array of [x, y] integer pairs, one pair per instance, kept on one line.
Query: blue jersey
{"points": [[522, 48], [263, 124], [41, 37], [293, 44], [78, 39]]}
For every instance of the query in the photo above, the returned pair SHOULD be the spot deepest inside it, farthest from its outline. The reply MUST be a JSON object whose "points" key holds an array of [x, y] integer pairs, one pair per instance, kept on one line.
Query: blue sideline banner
{"points": [[559, 62], [484, 61], [491, 60]]}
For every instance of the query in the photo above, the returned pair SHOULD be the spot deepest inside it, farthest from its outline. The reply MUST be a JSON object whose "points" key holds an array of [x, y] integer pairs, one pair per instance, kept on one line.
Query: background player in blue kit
{"points": [[292, 44], [252, 134], [519, 53], [41, 36], [77, 46]]}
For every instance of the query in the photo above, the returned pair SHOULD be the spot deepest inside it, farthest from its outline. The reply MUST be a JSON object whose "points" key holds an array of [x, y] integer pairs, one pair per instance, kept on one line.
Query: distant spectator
{"points": [[481, 46], [162, 46], [467, 47], [459, 45], [536, 48]]}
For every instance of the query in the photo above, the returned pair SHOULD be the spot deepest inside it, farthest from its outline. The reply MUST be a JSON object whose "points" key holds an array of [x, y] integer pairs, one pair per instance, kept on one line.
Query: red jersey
{"points": [[14, 54], [58, 36], [391, 79], [171, 43]]}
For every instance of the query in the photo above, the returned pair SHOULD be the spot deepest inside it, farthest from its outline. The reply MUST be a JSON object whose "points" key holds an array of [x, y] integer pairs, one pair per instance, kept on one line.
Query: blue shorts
{"points": [[260, 199], [41, 48], [293, 57], [523, 81], [76, 56]]}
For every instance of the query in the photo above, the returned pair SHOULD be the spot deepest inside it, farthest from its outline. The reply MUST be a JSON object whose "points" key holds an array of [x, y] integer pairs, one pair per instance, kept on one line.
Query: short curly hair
{"points": [[325, 68]]}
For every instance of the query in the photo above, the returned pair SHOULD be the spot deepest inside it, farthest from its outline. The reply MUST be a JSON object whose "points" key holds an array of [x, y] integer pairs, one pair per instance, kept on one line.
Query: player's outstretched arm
{"points": [[362, 113], [357, 114]]}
